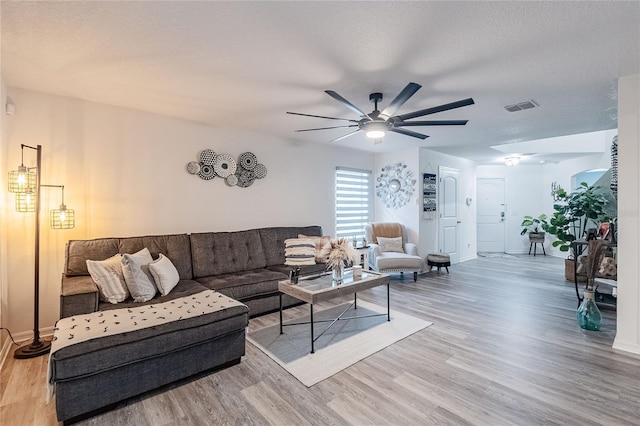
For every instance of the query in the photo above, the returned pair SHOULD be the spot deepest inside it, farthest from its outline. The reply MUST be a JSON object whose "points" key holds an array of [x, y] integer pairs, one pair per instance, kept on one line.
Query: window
{"points": [[353, 202]]}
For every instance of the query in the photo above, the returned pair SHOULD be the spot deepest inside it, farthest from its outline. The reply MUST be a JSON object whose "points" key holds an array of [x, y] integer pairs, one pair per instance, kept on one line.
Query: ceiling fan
{"points": [[377, 123]]}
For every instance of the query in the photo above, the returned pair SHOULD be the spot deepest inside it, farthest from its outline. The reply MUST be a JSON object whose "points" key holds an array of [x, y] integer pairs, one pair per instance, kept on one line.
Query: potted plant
{"points": [[536, 227], [574, 213]]}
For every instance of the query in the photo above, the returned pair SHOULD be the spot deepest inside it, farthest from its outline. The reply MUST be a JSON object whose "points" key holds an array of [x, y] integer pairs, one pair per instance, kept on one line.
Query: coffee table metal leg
{"points": [[280, 297], [388, 305], [355, 300], [311, 318]]}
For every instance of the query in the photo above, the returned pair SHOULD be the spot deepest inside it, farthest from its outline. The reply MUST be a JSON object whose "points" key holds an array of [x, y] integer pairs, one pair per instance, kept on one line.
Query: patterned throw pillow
{"points": [[137, 276], [109, 278], [299, 251], [391, 244], [164, 274], [319, 243]]}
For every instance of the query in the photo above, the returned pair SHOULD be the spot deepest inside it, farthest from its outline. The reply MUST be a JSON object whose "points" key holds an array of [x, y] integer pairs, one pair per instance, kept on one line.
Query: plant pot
{"points": [[536, 237], [570, 271]]}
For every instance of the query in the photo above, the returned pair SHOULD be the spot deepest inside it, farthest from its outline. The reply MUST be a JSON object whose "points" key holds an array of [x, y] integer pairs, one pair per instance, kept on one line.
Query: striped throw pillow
{"points": [[299, 251], [109, 278]]}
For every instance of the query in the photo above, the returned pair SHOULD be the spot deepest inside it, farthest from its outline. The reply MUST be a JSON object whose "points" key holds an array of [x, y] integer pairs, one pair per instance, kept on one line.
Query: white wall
{"points": [[430, 162], [523, 196], [124, 174], [406, 214], [628, 307], [3, 222]]}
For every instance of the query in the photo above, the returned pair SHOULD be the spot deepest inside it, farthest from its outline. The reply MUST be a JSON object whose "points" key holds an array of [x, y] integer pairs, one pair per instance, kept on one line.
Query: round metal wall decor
{"points": [[207, 156], [206, 172], [248, 160], [224, 165], [193, 167], [231, 180], [395, 185], [260, 171], [242, 172]]}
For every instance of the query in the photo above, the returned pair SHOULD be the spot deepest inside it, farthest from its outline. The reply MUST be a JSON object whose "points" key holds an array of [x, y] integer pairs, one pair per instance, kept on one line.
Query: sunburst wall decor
{"points": [[395, 185]]}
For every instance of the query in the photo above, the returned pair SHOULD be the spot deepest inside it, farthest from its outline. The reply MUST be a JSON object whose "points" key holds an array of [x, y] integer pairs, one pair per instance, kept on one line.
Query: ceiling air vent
{"points": [[521, 106]]}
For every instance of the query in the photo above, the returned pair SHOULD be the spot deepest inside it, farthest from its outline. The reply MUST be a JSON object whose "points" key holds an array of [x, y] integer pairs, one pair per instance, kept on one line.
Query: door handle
{"points": [[459, 221]]}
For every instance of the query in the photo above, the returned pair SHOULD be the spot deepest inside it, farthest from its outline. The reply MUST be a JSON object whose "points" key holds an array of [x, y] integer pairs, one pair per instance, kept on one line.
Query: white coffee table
{"points": [[319, 288]]}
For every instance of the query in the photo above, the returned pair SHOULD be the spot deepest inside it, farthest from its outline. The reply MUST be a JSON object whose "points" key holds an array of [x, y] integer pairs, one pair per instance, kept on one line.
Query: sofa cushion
{"points": [[304, 269], [244, 284], [176, 247], [137, 276], [273, 240], [79, 251], [218, 253], [182, 289]]}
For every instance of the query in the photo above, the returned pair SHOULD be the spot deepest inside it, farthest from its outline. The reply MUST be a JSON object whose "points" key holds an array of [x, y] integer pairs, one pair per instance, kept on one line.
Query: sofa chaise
{"points": [[244, 265]]}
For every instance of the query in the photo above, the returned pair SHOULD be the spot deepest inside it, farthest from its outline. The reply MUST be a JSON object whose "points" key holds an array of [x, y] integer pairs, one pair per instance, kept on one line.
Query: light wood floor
{"points": [[504, 349]]}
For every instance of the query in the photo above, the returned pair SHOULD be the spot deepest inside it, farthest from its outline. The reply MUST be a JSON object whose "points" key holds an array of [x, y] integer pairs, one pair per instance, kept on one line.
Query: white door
{"points": [[448, 227], [491, 212]]}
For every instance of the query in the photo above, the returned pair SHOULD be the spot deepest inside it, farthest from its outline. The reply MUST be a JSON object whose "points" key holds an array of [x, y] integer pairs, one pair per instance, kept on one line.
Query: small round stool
{"points": [[438, 260]]}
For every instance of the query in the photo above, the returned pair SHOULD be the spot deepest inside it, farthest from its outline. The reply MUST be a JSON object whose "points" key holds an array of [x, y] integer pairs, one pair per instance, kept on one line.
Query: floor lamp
{"points": [[25, 183]]}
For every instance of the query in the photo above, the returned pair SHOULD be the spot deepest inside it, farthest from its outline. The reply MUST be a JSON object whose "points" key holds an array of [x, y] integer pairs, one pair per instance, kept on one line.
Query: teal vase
{"points": [[589, 316]]}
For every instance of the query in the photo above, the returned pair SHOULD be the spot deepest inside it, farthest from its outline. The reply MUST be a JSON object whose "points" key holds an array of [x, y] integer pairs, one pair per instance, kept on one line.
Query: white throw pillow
{"points": [[135, 268], [299, 251], [164, 274], [109, 278], [391, 244]]}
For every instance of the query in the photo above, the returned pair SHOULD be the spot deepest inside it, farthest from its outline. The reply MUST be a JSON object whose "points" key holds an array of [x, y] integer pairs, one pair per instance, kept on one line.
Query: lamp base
{"points": [[35, 349]]}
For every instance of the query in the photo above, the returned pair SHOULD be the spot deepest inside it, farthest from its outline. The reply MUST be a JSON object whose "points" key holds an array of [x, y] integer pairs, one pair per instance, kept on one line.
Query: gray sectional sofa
{"points": [[243, 265]]}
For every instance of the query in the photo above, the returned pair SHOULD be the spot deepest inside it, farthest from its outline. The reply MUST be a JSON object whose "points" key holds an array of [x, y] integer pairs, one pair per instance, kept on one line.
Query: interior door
{"points": [[491, 215], [448, 236]]}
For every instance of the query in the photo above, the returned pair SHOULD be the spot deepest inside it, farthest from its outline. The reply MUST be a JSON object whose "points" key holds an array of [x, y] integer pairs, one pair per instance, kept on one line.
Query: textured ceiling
{"points": [[243, 64]]}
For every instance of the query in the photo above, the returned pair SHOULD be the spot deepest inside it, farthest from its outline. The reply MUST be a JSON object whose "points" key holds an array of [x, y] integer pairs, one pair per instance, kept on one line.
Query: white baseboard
{"points": [[464, 259], [20, 338], [633, 348]]}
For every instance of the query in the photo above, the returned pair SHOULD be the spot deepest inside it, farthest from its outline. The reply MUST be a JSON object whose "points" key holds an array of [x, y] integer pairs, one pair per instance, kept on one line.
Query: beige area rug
{"points": [[344, 344]]}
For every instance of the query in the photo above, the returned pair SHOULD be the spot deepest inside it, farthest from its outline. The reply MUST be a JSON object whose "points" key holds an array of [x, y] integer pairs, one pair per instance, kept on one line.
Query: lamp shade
{"points": [[26, 202], [21, 180], [62, 218]]}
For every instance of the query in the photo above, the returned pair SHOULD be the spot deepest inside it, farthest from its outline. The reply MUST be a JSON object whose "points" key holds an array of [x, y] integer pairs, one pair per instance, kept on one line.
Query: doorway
{"points": [[448, 236], [491, 215]]}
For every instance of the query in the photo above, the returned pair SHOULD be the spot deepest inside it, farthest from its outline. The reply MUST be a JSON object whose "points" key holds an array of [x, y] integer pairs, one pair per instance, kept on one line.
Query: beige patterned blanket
{"points": [[80, 328]]}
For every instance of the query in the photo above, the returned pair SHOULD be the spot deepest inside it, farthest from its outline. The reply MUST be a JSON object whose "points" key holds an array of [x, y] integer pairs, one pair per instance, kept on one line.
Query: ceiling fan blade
{"points": [[345, 136], [433, 110], [431, 123], [322, 116], [348, 104], [399, 100], [409, 133], [326, 128]]}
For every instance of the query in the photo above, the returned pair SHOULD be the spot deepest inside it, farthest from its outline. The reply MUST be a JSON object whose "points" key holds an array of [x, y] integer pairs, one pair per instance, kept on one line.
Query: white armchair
{"points": [[389, 250]]}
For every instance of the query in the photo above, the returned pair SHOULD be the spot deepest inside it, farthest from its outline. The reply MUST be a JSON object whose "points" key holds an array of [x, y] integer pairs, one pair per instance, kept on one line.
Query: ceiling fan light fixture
{"points": [[512, 161], [375, 129]]}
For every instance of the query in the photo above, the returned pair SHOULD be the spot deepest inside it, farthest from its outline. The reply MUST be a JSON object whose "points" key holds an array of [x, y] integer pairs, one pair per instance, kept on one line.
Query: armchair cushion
{"points": [[391, 244], [391, 261]]}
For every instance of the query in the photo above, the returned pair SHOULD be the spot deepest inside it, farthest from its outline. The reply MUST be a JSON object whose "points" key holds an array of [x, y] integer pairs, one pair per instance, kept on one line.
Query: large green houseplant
{"points": [[574, 213]]}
